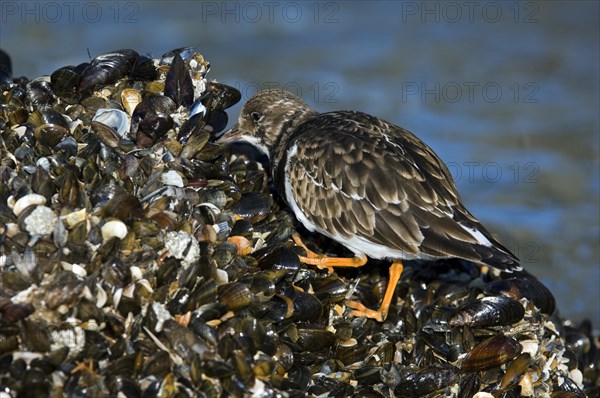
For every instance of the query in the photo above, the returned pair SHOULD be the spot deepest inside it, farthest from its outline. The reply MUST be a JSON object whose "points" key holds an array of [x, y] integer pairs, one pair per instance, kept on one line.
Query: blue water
{"points": [[507, 93]]}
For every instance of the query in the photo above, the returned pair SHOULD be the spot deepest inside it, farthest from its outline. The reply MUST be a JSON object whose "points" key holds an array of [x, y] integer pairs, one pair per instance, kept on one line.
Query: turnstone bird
{"points": [[368, 184]]}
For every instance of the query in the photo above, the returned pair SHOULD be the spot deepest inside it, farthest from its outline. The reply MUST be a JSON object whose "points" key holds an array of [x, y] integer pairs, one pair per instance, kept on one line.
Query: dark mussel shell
{"points": [[151, 119], [40, 95], [524, 286], [64, 81], [222, 96], [49, 135], [307, 307], [253, 206], [488, 311], [178, 83], [13, 312], [217, 121], [45, 117], [491, 353], [420, 382], [143, 69], [152, 104], [194, 126], [515, 371], [6, 80], [107, 68]]}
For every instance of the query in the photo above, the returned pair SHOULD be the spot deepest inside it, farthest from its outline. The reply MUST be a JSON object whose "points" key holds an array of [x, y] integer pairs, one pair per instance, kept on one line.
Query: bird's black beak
{"points": [[232, 135]]}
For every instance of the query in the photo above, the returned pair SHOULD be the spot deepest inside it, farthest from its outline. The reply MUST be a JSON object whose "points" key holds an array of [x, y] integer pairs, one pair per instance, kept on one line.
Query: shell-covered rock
{"points": [[140, 258]]}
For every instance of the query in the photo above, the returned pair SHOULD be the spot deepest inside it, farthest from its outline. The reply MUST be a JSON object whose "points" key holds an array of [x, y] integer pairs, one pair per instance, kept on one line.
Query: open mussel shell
{"points": [[113, 118], [183, 52]]}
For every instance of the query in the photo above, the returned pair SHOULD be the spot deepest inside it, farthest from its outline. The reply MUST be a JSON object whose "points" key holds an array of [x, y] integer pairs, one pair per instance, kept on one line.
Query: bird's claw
{"points": [[360, 310]]}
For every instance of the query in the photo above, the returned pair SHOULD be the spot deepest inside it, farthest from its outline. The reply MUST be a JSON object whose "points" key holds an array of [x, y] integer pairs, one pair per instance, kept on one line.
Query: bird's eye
{"points": [[256, 116]]}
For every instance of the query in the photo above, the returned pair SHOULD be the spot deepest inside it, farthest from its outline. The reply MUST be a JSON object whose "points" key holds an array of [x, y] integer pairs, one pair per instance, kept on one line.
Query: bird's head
{"points": [[267, 119]]}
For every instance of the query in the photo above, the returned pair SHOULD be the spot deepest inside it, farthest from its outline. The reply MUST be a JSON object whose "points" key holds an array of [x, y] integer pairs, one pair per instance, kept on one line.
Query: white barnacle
{"points": [[41, 221], [182, 246]]}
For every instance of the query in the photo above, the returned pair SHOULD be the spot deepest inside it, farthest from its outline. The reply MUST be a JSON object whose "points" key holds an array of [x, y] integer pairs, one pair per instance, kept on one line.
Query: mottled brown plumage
{"points": [[368, 184]]}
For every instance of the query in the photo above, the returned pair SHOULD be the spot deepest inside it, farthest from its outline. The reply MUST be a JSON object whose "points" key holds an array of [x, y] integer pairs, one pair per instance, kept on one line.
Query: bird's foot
{"points": [[360, 310], [324, 262]]}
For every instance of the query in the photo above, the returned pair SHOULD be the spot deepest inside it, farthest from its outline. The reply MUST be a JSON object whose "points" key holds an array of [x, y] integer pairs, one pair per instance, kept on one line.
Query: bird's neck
{"points": [[278, 151]]}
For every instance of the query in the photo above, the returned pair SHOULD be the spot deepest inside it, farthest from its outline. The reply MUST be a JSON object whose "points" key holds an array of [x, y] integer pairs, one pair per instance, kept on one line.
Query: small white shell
{"points": [[221, 277], [75, 217], [173, 178], [116, 298], [26, 201], [577, 377], [530, 346], [12, 229], [526, 384], [74, 268], [136, 273], [21, 130], [113, 228], [145, 283], [101, 296]]}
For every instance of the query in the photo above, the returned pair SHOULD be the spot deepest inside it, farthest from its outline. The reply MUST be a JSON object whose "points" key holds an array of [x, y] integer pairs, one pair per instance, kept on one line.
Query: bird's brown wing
{"points": [[358, 176]]}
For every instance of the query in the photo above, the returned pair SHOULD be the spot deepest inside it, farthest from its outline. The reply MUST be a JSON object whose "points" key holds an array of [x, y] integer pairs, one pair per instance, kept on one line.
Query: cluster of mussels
{"points": [[140, 259]]}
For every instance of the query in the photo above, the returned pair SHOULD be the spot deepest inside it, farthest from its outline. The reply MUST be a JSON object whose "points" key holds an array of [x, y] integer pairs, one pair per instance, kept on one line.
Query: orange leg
{"points": [[324, 262], [380, 314]]}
